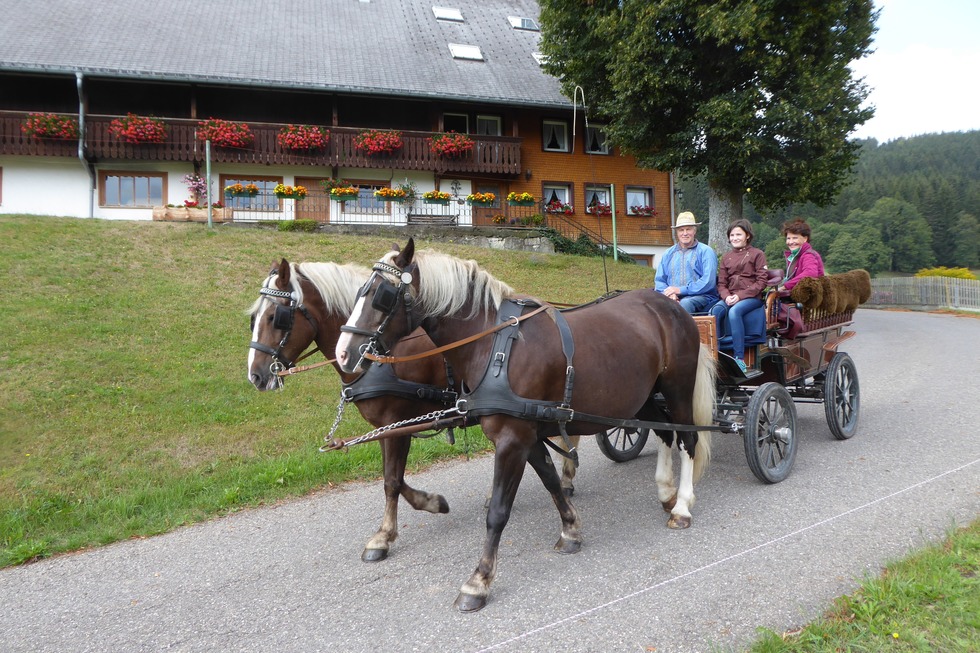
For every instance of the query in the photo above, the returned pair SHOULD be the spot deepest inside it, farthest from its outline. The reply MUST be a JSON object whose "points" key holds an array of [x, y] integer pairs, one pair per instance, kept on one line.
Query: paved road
{"points": [[289, 578]]}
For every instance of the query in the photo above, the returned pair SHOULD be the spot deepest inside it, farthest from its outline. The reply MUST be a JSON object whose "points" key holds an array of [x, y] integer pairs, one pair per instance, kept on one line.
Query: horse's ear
{"points": [[395, 247], [282, 278], [405, 256]]}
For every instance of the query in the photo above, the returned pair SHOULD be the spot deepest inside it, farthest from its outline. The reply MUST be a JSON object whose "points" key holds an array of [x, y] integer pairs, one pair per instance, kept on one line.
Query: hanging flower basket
{"points": [[224, 133], [239, 190], [345, 193], [374, 142], [51, 125], [283, 192], [390, 194], [481, 199], [451, 145], [303, 138], [520, 199], [138, 129]]}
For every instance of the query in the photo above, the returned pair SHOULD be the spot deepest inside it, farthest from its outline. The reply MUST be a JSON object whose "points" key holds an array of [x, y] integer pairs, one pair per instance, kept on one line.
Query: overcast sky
{"points": [[925, 70]]}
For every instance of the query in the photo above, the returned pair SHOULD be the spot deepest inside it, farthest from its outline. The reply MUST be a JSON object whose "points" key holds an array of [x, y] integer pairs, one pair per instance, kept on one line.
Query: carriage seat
{"points": [[755, 321]]}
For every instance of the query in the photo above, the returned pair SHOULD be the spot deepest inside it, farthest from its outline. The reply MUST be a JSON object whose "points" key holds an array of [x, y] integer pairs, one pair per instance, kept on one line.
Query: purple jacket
{"points": [[806, 264]]}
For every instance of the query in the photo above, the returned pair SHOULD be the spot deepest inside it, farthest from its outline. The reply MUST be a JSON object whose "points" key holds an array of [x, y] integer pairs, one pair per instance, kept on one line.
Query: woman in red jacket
{"points": [[801, 259], [741, 279]]}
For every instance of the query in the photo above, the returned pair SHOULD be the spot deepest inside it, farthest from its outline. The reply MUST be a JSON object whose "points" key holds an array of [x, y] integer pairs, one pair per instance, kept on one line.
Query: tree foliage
{"points": [[753, 95]]}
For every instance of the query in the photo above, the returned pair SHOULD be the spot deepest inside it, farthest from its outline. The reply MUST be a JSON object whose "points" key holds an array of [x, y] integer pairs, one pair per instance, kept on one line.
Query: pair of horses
{"points": [[306, 303], [624, 354]]}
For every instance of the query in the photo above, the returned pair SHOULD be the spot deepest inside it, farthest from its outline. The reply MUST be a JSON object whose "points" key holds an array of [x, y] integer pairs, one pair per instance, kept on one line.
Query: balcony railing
{"points": [[496, 155]]}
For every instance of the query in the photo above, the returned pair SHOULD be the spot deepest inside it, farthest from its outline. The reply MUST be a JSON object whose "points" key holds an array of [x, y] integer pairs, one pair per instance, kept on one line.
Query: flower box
{"points": [[481, 199], [224, 133], [390, 195], [51, 125], [187, 214], [138, 129], [374, 142], [441, 202], [521, 202], [479, 203], [284, 192], [303, 138], [345, 193], [239, 190], [520, 199], [451, 145], [643, 211]]}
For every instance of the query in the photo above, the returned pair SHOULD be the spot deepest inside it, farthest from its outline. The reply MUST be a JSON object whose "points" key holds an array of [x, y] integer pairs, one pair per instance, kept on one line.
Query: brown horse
{"points": [[323, 295], [627, 349]]}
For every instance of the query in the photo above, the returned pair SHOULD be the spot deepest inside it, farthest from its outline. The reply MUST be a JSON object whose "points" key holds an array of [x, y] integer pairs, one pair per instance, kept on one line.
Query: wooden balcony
{"points": [[492, 155]]}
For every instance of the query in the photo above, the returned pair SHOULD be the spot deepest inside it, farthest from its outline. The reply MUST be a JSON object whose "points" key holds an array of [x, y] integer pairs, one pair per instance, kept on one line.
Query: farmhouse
{"points": [[107, 108]]}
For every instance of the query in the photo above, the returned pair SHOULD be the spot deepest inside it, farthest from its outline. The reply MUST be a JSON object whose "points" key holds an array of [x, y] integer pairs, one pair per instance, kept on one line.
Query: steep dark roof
{"points": [[389, 47]]}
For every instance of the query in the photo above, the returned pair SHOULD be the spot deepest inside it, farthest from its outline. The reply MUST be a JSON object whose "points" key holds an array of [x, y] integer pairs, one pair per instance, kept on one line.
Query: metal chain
{"points": [[344, 399], [376, 433]]}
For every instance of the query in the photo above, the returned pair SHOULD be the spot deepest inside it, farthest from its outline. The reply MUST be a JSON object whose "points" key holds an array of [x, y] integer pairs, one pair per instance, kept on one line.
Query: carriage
{"points": [[787, 364]]}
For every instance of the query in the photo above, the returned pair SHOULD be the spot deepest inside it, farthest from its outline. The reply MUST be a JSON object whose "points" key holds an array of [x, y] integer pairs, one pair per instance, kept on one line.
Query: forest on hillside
{"points": [[908, 204]]}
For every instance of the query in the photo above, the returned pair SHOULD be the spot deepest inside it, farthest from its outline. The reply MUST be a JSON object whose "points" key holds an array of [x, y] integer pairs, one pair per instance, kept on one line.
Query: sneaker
{"points": [[741, 365]]}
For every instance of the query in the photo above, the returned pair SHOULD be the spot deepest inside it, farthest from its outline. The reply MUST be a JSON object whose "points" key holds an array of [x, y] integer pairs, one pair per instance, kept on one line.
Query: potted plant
{"points": [[224, 133], [345, 193], [303, 137], [51, 125], [557, 207], [436, 197], [239, 190], [645, 211], [376, 142], [601, 210], [499, 219], [284, 192], [520, 199], [390, 194], [138, 129], [481, 199], [451, 145], [198, 186]]}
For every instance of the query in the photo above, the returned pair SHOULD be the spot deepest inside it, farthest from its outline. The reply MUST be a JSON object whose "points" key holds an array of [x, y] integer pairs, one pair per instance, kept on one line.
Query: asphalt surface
{"points": [[289, 578]]}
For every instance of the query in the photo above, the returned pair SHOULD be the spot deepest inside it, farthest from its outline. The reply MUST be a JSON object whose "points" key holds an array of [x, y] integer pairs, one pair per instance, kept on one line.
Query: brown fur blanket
{"points": [[835, 293]]}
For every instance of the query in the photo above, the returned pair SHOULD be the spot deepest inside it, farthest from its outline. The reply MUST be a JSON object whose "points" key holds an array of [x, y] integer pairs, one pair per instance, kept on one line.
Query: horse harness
{"points": [[283, 319]]}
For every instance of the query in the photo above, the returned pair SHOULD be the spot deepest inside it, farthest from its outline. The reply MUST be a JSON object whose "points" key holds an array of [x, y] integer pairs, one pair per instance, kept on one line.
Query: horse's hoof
{"points": [[469, 603], [565, 545], [678, 522], [669, 503], [374, 555], [443, 505]]}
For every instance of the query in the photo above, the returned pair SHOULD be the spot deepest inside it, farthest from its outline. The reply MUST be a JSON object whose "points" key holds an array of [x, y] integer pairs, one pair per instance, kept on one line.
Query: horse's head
{"points": [[383, 312], [279, 335]]}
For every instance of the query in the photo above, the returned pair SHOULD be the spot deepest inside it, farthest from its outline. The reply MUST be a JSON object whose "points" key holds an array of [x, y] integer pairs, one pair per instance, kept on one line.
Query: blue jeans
{"points": [[697, 303], [736, 321]]}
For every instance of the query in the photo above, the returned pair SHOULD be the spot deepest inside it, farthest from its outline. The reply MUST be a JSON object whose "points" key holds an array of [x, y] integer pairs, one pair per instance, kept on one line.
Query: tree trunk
{"points": [[724, 207]]}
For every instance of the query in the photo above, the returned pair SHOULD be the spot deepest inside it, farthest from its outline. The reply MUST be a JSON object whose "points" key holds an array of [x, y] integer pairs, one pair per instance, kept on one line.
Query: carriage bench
{"points": [[437, 219]]}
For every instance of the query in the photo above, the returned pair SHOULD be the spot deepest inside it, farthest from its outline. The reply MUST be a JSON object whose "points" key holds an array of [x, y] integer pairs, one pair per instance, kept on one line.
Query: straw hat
{"points": [[685, 219]]}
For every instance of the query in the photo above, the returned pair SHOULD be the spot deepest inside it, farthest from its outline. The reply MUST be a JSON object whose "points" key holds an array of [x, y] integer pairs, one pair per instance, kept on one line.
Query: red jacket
{"points": [[806, 264]]}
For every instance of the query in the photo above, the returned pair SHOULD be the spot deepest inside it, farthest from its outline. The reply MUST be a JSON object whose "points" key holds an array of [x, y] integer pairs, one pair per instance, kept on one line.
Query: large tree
{"points": [[757, 94]]}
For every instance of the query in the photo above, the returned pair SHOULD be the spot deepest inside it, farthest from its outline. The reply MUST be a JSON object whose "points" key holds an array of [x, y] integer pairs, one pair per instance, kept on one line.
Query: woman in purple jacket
{"points": [[801, 259]]}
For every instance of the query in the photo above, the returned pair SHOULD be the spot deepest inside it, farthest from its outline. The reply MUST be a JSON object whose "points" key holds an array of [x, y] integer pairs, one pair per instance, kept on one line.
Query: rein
{"points": [[514, 321]]}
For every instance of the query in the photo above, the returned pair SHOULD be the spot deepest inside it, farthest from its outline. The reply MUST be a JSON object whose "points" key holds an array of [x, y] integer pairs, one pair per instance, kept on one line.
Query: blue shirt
{"points": [[693, 270]]}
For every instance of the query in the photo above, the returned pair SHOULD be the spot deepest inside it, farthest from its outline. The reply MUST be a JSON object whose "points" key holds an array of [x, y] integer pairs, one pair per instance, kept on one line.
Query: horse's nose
{"points": [[256, 380], [342, 359]]}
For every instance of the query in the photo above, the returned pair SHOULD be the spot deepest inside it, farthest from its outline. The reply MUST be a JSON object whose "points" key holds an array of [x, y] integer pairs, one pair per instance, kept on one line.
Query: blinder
{"points": [[385, 297], [284, 317]]}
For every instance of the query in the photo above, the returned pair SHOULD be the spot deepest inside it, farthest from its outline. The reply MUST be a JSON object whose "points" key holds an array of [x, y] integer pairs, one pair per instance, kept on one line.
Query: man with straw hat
{"points": [[688, 271]]}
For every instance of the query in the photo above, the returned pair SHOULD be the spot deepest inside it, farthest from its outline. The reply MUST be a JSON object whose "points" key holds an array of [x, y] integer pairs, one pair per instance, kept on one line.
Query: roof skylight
{"points": [[518, 22], [448, 13], [461, 51]]}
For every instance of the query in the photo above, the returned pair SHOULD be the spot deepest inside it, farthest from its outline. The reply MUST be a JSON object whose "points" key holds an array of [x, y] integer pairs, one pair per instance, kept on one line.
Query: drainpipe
{"points": [[89, 168], [612, 208]]}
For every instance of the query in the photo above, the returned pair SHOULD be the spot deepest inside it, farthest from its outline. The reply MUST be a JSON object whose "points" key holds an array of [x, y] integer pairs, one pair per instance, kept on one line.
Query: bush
{"points": [[309, 226], [943, 271]]}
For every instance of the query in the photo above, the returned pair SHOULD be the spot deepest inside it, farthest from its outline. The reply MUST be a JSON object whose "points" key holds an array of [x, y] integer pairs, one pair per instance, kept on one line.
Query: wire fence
{"points": [[926, 292]]}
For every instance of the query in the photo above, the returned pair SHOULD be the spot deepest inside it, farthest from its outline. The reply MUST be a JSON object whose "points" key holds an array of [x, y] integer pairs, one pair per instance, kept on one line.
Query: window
{"points": [[595, 141], [463, 51], [132, 189], [450, 14], [266, 199], [456, 122], [597, 197], [489, 125], [519, 22], [557, 192], [638, 200], [555, 136]]}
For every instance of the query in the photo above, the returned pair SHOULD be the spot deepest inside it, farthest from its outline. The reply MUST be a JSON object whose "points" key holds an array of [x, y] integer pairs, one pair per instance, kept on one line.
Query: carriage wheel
{"points": [[841, 396], [622, 444], [770, 435]]}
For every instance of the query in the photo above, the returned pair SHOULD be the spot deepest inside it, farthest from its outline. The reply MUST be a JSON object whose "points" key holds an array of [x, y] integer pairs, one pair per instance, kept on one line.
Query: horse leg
{"points": [[394, 455], [508, 469], [571, 527], [666, 491], [680, 514]]}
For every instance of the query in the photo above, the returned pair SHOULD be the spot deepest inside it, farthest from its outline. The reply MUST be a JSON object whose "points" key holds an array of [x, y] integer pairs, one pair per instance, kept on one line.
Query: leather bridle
{"points": [[283, 319], [386, 302]]}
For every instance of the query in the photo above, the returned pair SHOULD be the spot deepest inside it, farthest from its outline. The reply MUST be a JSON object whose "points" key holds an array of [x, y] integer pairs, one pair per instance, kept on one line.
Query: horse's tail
{"points": [[704, 408]]}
